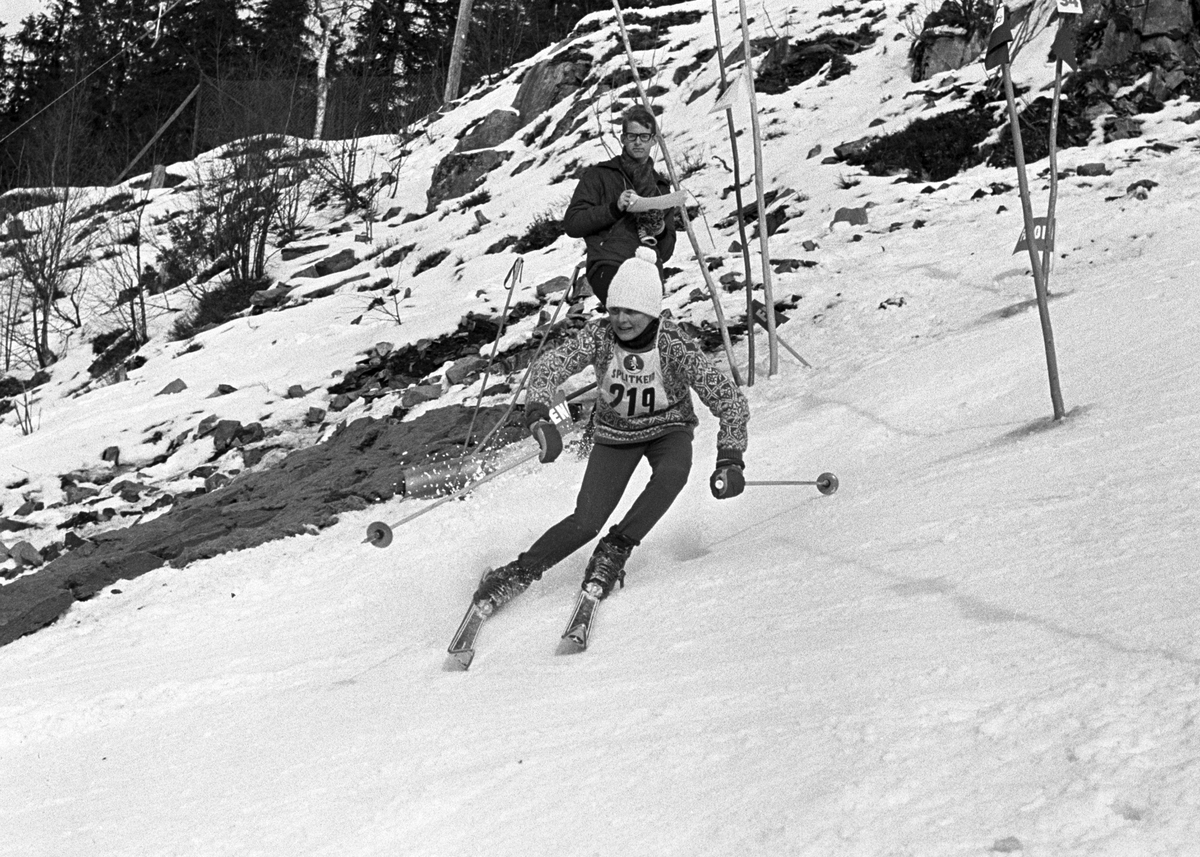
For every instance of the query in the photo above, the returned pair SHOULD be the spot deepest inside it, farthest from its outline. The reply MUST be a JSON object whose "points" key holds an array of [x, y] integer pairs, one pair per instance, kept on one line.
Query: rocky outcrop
{"points": [[950, 38], [475, 155], [362, 463], [459, 173], [490, 131], [546, 84], [789, 63]]}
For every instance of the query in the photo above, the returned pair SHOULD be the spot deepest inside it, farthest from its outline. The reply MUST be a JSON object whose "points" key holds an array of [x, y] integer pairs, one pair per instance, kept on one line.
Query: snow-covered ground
{"points": [[986, 641]]}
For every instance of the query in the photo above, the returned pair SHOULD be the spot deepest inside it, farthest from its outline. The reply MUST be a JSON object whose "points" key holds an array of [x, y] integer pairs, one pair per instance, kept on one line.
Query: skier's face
{"points": [[628, 323], [638, 141]]}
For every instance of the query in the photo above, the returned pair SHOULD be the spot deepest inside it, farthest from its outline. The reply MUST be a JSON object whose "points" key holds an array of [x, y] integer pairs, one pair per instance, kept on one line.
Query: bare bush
{"points": [[49, 250], [126, 279]]}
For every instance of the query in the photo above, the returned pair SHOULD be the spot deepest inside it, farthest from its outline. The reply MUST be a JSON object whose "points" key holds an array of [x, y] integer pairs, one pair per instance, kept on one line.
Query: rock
{"points": [[222, 390], [553, 285], [343, 261], [1123, 128], [414, 396], [1116, 46], [787, 266], [854, 148], [465, 367], [265, 299], [112, 455], [176, 386], [340, 402], [178, 441], [490, 131], [315, 416], [1172, 18], [1093, 169], [78, 493], [459, 173], [29, 507], [73, 541], [296, 391], [217, 480], [947, 49], [853, 216], [225, 434], [544, 85], [293, 251], [25, 554], [206, 425], [252, 433]]}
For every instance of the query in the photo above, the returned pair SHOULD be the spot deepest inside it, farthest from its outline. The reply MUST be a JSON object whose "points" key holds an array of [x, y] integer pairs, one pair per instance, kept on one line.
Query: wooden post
{"points": [[768, 292], [737, 193], [1035, 261], [1047, 251], [458, 50], [687, 225], [158, 134]]}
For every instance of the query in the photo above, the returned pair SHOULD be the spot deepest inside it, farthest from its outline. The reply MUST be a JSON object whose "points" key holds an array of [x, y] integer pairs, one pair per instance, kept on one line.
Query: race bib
{"points": [[633, 383]]}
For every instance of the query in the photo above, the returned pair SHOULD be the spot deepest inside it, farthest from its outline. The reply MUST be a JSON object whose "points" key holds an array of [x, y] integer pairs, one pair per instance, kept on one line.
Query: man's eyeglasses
{"points": [[638, 138]]}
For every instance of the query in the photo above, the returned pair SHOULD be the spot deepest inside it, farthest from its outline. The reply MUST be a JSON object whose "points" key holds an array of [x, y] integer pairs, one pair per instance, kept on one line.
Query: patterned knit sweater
{"points": [[643, 394]]}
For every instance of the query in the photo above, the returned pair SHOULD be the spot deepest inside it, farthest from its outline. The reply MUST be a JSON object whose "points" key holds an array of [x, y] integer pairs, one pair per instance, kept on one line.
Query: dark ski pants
{"points": [[599, 277], [608, 472]]}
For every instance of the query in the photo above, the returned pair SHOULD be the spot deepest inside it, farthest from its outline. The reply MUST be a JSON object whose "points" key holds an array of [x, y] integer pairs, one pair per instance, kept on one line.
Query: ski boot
{"points": [[501, 585], [606, 568]]}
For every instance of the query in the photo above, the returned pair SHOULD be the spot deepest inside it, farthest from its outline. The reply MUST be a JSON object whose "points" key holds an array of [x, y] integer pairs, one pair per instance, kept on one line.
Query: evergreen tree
{"points": [[278, 39]]}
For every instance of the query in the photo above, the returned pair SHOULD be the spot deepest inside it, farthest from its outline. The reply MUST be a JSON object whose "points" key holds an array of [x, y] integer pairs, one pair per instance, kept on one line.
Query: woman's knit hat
{"points": [[636, 285]]}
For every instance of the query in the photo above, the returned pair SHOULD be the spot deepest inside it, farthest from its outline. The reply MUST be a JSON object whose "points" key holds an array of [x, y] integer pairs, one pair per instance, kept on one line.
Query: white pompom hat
{"points": [[636, 285]]}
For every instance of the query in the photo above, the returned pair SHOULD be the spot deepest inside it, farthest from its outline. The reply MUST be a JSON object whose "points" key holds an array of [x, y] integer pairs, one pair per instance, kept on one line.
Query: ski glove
{"points": [[727, 479], [548, 438]]}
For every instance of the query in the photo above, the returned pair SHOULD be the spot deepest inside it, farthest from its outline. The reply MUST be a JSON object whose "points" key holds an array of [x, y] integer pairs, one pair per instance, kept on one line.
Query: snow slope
{"points": [[986, 641]]}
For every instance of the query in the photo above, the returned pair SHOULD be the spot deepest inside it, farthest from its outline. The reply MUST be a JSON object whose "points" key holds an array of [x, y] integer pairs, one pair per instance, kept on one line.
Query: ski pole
{"points": [[510, 284], [380, 534], [826, 483], [528, 369]]}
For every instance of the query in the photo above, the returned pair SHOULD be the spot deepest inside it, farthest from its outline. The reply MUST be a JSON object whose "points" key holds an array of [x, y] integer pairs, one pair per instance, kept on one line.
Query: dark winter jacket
{"points": [[644, 394], [611, 234]]}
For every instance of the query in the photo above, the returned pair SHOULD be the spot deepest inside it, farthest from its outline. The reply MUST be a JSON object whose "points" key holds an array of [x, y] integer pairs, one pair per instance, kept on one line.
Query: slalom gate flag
{"points": [[734, 91], [1043, 236], [760, 315], [1064, 45], [1001, 35]]}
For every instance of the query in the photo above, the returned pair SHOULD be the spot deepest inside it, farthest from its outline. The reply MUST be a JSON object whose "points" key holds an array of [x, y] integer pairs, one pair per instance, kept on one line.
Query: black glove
{"points": [[548, 438], [727, 479]]}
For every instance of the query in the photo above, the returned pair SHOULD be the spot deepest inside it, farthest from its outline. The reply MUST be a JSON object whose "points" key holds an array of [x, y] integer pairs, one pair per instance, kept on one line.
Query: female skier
{"points": [[645, 366]]}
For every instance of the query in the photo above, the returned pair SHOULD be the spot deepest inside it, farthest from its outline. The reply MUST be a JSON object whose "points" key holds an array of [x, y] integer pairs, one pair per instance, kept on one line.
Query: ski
{"points": [[575, 638], [462, 647]]}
